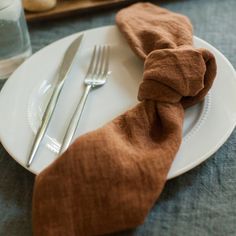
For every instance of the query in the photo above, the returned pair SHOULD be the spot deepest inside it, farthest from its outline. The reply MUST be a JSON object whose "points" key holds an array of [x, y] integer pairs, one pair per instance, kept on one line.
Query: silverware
{"points": [[96, 76], [62, 75]]}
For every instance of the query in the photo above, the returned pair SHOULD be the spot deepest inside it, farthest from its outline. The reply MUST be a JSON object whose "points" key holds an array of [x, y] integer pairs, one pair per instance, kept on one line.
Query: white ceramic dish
{"points": [[23, 98]]}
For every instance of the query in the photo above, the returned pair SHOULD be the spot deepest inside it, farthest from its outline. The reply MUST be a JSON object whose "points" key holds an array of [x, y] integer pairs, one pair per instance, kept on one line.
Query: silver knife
{"points": [[62, 75]]}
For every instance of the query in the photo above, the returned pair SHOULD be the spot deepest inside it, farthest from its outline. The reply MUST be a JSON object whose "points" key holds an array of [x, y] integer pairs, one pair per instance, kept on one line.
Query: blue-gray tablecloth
{"points": [[200, 202]]}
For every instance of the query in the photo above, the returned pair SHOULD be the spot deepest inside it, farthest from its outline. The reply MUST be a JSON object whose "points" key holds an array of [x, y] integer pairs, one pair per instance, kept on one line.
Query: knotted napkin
{"points": [[109, 179]]}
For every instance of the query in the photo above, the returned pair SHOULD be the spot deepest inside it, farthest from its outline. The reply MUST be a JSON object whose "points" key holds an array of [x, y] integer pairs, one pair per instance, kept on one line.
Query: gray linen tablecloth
{"points": [[200, 202]]}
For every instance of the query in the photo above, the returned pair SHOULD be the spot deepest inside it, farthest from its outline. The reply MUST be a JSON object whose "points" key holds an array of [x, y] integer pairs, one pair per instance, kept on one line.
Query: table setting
{"points": [[121, 121]]}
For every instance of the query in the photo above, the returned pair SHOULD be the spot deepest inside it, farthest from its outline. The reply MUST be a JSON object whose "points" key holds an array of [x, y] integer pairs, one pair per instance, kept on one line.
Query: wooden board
{"points": [[65, 8]]}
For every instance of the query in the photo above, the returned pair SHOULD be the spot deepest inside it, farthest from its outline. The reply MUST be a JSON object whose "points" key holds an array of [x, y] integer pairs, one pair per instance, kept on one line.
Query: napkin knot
{"points": [[176, 75]]}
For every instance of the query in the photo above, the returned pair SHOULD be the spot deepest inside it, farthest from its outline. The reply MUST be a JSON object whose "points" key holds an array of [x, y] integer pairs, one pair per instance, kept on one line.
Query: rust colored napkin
{"points": [[109, 179]]}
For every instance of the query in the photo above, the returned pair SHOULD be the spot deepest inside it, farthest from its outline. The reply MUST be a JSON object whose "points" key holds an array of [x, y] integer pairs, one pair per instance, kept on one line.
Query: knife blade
{"points": [[64, 70]]}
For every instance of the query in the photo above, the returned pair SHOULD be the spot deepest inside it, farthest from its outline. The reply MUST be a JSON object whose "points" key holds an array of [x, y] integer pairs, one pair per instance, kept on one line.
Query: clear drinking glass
{"points": [[15, 44]]}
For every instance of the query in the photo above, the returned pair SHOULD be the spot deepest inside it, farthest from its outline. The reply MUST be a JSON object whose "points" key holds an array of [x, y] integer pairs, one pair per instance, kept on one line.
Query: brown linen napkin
{"points": [[110, 178]]}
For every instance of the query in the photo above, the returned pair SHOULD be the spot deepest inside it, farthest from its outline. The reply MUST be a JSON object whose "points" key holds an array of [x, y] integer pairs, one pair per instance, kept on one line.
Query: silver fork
{"points": [[96, 76]]}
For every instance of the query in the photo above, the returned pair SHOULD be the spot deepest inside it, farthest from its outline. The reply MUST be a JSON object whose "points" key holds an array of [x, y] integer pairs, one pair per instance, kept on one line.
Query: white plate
{"points": [[23, 98]]}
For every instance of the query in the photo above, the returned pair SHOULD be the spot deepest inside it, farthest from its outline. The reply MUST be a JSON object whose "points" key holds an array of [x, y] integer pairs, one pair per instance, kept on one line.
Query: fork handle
{"points": [[75, 120]]}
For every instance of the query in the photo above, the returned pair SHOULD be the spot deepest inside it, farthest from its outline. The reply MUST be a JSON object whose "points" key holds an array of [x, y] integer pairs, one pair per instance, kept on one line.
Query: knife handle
{"points": [[45, 121], [75, 120]]}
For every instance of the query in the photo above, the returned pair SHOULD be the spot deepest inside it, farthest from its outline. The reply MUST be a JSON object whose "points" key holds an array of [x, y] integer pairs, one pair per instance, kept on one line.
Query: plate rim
{"points": [[223, 138]]}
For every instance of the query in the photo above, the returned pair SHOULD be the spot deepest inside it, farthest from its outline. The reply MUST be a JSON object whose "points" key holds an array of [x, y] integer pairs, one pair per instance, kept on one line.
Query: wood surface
{"points": [[72, 7]]}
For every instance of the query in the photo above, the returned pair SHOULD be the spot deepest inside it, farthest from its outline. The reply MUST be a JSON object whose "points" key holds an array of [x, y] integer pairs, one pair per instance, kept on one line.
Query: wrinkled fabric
{"points": [[108, 179]]}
